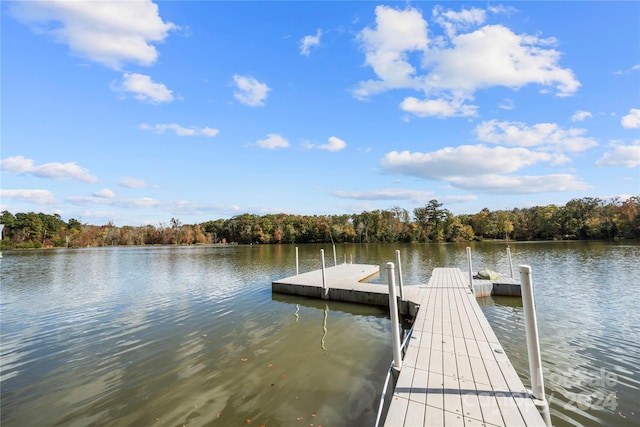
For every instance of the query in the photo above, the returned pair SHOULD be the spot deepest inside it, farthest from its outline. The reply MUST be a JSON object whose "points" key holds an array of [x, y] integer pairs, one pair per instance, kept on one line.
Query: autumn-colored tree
{"points": [[587, 218]]}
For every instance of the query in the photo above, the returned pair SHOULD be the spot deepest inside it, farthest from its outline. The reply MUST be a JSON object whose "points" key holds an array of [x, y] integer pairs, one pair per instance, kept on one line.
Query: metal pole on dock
{"points": [[325, 290], [533, 343], [400, 282], [470, 268], [335, 260], [393, 311], [297, 271], [509, 258]]}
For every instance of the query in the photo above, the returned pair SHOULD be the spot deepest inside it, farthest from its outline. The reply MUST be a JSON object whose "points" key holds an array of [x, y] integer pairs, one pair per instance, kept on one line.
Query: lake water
{"points": [[172, 336]]}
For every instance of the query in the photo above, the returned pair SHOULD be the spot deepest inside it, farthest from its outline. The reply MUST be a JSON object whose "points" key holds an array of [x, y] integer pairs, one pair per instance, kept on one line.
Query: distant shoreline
{"points": [[580, 219]]}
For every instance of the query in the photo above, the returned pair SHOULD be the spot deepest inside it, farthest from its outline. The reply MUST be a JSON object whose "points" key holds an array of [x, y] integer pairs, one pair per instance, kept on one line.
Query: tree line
{"points": [[585, 218]]}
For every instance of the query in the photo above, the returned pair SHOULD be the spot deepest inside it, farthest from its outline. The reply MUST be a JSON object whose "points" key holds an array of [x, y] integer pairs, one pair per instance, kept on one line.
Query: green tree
{"points": [[30, 229], [430, 221], [628, 217], [578, 214]]}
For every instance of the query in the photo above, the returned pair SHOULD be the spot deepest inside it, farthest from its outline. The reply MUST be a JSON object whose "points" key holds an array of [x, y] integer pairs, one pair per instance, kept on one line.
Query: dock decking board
{"points": [[455, 372]]}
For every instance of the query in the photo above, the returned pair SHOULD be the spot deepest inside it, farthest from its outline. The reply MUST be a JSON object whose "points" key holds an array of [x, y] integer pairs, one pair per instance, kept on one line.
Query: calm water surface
{"points": [[173, 336]]}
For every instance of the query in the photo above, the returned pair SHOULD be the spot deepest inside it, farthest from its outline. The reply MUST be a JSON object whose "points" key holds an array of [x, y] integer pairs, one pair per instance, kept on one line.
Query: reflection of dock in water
{"points": [[454, 370]]}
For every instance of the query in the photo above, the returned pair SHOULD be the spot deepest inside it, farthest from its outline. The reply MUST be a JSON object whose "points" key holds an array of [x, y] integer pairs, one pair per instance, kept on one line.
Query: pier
{"points": [[454, 371]]}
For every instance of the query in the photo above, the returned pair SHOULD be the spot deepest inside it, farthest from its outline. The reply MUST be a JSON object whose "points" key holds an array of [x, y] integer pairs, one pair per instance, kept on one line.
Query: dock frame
{"points": [[454, 372]]}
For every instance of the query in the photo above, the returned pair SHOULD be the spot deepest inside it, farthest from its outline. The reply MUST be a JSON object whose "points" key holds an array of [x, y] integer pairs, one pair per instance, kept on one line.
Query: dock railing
{"points": [[531, 330], [398, 348], [533, 344], [470, 268], [390, 372], [325, 289]]}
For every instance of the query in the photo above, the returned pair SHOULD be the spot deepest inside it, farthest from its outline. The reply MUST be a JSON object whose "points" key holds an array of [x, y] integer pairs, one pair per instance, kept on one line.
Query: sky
{"points": [[135, 112]]}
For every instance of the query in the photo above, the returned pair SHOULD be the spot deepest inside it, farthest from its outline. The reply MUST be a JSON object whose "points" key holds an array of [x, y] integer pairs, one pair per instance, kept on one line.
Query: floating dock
{"points": [[454, 372], [345, 282]]}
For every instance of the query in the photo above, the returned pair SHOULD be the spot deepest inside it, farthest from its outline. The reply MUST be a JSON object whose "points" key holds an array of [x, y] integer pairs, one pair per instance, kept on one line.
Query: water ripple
{"points": [[172, 336]]}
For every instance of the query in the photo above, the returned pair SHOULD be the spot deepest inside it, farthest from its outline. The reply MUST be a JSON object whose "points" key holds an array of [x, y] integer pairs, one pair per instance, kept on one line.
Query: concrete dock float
{"points": [[454, 371]]}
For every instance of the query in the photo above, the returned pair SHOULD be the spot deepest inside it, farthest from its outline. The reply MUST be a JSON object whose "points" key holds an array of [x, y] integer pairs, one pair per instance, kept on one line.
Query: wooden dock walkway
{"points": [[455, 372]]}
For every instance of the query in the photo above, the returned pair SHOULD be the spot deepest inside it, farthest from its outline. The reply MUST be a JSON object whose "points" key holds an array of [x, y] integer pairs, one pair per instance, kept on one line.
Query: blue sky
{"points": [[137, 112]]}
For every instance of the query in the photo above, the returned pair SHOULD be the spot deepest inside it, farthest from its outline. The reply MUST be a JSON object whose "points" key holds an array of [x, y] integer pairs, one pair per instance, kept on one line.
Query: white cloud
{"points": [[178, 207], [495, 56], [184, 207], [397, 33], [385, 194], [250, 91], [632, 120], [334, 144], [452, 21], [307, 145], [545, 136], [41, 197], [82, 200], [104, 193], [308, 42], [58, 171], [453, 68], [621, 155], [141, 202], [457, 199], [628, 71], [273, 141], [481, 168], [437, 107], [143, 88], [129, 182], [505, 184], [107, 32], [580, 116], [507, 104], [180, 130], [507, 10], [465, 160]]}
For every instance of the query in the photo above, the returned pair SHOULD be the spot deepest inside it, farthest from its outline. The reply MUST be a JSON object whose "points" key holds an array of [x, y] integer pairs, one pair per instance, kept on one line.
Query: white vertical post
{"points": [[533, 344], [393, 311], [400, 282], [351, 257], [510, 262], [297, 270], [325, 290], [470, 268], [335, 260]]}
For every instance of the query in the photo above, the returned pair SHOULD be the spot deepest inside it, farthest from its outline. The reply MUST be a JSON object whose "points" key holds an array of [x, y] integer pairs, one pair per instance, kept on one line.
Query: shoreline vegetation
{"points": [[580, 219]]}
